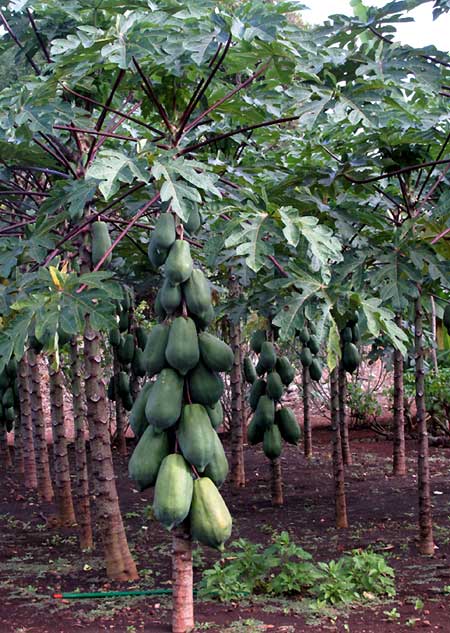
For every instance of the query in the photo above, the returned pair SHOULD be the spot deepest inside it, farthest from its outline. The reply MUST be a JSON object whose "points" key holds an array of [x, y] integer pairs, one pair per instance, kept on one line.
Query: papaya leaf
{"points": [[112, 167]]}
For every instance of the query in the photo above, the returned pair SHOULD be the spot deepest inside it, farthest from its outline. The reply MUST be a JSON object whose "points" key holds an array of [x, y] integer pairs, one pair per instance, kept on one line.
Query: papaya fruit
{"points": [[182, 350], [249, 371], [193, 222], [101, 241], [155, 349], [315, 370], [2, 413], [215, 412], [260, 369], [311, 328], [164, 234], [353, 318], [257, 339], [138, 364], [111, 391], [306, 357], [163, 407], [147, 457], [197, 292], [255, 432], [124, 322], [4, 380], [127, 401], [196, 435], [205, 318], [205, 386], [159, 310], [10, 416], [446, 317], [217, 468], [173, 491], [350, 357], [303, 335], [138, 421], [313, 344], [268, 356], [209, 517], [125, 351], [285, 370], [257, 390], [346, 334], [265, 412], [157, 256], [272, 444], [170, 297], [141, 337], [8, 398], [178, 266], [274, 386], [127, 300], [288, 425], [114, 337], [11, 368], [123, 383], [355, 333], [216, 354]]}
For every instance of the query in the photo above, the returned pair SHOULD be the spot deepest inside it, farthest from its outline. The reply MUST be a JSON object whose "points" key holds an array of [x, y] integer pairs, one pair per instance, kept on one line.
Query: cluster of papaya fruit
{"points": [[9, 395], [271, 423], [446, 318], [178, 411], [350, 336], [310, 349]]}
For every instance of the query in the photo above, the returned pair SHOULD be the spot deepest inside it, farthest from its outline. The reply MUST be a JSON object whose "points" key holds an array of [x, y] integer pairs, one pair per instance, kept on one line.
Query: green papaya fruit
{"points": [[127, 402], [8, 398], [178, 266], [216, 355], [353, 318], [125, 351], [197, 293], [123, 384], [114, 337], [139, 365], [315, 370], [306, 357], [446, 317], [268, 356], [265, 412], [215, 413], [196, 435], [311, 328], [257, 339], [205, 318], [285, 370], [288, 425], [141, 337], [205, 386], [164, 401], [155, 349], [313, 344], [124, 322], [346, 334], [2, 413], [274, 386], [182, 351], [10, 415], [249, 371], [255, 432], [147, 457], [126, 301], [209, 517], [350, 357], [194, 221], [272, 444], [111, 391], [303, 335], [11, 368], [157, 256], [257, 390], [164, 234], [138, 421], [355, 333], [173, 491], [170, 297], [101, 242], [4, 380], [159, 310], [15, 388], [217, 468]]}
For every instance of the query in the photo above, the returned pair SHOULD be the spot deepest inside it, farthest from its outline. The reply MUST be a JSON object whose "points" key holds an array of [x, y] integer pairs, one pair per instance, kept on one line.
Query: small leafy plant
{"points": [[363, 404]]}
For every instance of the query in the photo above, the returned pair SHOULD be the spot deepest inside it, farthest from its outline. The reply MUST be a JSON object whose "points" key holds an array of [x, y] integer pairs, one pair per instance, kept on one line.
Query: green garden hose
{"points": [[113, 594]]}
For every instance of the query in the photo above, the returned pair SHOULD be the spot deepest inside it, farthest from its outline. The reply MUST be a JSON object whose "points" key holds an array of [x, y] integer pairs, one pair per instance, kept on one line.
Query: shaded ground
{"points": [[36, 561]]}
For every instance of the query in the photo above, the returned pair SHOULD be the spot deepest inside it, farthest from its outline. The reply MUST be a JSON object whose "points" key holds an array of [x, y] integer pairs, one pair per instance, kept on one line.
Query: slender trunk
{"points": [[5, 455], [307, 430], [119, 437], [63, 490], [19, 460], [276, 482], [45, 487], [434, 336], [426, 544], [81, 475], [182, 573], [237, 434], [399, 454], [26, 426], [338, 462], [343, 418]]}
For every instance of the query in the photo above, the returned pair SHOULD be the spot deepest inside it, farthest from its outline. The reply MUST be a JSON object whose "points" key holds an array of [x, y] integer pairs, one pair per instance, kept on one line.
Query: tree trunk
{"points": [[119, 563], [237, 431], [26, 426], [63, 490], [276, 482], [19, 460], [434, 336], [338, 462], [426, 544], [45, 487], [307, 430], [81, 475], [182, 583], [5, 454], [119, 437], [343, 418], [399, 454]]}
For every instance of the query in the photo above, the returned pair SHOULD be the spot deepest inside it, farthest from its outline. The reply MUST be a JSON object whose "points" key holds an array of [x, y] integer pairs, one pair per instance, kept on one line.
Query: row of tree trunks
{"points": [[307, 429], [26, 426], [338, 462]]}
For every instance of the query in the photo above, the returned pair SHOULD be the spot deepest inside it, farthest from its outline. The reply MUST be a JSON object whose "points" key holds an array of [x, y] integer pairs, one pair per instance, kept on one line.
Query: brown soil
{"points": [[36, 560]]}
